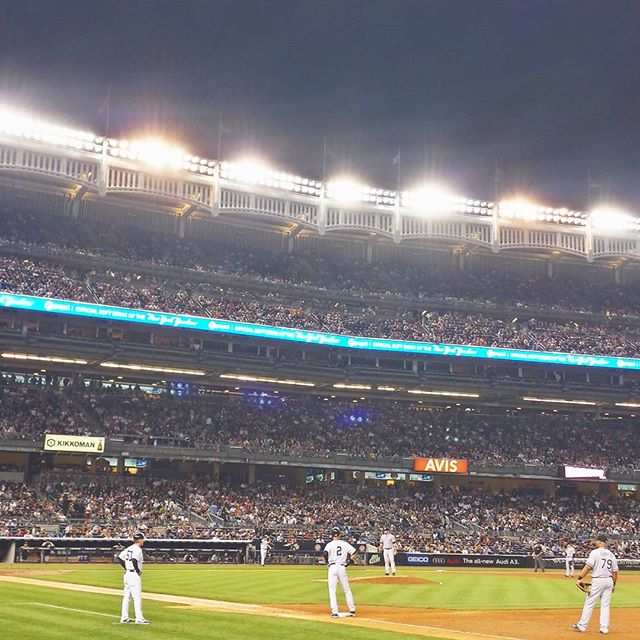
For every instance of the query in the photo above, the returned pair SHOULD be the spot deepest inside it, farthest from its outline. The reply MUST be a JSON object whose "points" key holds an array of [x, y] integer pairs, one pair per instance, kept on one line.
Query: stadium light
{"points": [[613, 219], [31, 357], [524, 209], [154, 369], [445, 394], [429, 199], [347, 190], [558, 400], [19, 125], [154, 152], [254, 171], [246, 378], [345, 385]]}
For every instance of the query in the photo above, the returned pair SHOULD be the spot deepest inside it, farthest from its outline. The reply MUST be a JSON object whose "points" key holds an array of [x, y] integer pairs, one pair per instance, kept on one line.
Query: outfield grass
{"points": [[40, 613], [469, 590]]}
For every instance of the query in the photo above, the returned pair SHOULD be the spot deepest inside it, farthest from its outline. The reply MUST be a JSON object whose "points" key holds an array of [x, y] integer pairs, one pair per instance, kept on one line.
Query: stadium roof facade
{"points": [[88, 166]]}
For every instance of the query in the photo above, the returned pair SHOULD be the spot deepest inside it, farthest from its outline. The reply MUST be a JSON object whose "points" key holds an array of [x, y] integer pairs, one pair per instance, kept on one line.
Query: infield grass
{"points": [[33, 612], [472, 589]]}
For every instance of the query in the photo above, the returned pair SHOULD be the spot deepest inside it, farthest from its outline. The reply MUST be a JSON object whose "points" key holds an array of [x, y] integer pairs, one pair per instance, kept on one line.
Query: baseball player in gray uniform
{"points": [[387, 547], [338, 554], [603, 566], [569, 560], [265, 545], [131, 561]]}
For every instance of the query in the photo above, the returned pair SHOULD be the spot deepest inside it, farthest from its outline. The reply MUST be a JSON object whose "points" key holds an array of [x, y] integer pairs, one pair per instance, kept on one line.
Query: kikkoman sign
{"points": [[440, 465], [80, 444]]}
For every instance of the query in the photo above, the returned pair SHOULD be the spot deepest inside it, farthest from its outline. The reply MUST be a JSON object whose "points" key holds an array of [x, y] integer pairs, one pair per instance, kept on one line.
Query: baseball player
{"points": [[264, 549], [45, 550], [603, 566], [388, 550], [131, 561], [337, 554], [569, 560], [538, 559]]}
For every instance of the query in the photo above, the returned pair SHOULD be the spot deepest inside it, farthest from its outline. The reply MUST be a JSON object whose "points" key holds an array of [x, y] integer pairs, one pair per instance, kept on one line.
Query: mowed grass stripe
{"points": [[24, 622], [306, 585]]}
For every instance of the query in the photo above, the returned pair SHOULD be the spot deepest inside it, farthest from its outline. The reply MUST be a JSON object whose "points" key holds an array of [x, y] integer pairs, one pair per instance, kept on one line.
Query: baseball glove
{"points": [[584, 586]]}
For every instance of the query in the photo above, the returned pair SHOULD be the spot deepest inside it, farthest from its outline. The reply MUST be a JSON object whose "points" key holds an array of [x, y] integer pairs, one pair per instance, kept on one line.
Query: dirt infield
{"points": [[449, 625], [546, 624]]}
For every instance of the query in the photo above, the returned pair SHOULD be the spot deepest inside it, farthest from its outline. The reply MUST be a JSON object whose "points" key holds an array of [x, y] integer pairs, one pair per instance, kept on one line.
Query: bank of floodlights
{"points": [[520, 209], [20, 126], [256, 173], [612, 219]]}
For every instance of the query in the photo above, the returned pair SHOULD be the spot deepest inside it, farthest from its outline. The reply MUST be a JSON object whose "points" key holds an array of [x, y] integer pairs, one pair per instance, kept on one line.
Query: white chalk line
{"points": [[55, 606]]}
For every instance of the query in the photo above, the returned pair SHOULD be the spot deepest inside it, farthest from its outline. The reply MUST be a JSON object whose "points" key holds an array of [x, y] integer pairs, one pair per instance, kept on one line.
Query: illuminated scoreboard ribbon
{"points": [[247, 329]]}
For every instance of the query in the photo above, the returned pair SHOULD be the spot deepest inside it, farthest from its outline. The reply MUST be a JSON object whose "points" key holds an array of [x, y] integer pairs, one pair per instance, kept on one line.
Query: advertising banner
{"points": [[73, 444], [452, 560], [440, 465], [246, 329], [443, 560]]}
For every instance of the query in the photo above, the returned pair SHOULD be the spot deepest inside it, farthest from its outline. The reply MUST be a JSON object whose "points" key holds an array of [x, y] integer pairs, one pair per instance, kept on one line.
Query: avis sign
{"points": [[79, 444], [440, 465]]}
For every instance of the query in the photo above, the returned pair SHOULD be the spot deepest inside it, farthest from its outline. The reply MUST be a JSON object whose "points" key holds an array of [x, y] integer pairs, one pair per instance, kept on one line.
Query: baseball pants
{"points": [[132, 589], [570, 565], [601, 588], [538, 563], [338, 573], [263, 556], [389, 560]]}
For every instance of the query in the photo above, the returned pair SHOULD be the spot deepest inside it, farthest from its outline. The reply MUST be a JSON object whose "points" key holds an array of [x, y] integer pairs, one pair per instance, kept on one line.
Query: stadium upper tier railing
{"points": [[86, 162]]}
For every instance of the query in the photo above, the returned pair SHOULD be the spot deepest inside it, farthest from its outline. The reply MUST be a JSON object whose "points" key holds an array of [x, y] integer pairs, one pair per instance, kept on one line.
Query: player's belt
{"points": [[131, 571], [338, 563]]}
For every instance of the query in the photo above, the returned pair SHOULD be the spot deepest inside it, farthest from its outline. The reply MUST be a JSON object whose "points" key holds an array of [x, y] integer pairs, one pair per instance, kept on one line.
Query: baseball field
{"points": [[276, 602]]}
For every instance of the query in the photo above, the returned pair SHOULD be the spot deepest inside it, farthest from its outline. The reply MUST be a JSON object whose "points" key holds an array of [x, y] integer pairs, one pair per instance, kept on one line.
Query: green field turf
{"points": [[32, 613], [43, 613], [471, 589]]}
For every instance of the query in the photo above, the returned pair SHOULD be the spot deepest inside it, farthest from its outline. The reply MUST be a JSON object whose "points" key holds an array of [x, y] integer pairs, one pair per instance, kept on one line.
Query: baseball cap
{"points": [[335, 531], [602, 538], [138, 536]]}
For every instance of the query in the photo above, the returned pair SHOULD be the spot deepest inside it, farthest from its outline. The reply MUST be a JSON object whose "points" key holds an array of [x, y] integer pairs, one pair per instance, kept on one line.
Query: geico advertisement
{"points": [[440, 465], [462, 560]]}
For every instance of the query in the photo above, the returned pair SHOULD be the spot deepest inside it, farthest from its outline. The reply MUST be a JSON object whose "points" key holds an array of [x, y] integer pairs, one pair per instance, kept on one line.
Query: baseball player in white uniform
{"points": [[604, 574], [337, 554], [264, 549], [131, 560], [388, 548], [569, 560]]}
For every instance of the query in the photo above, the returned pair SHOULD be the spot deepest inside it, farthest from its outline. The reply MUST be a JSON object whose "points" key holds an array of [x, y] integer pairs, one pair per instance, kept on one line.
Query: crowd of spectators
{"points": [[434, 519], [397, 278], [293, 426], [22, 275]]}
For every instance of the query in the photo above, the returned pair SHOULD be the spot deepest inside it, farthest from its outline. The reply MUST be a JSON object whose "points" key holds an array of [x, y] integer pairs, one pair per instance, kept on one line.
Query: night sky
{"points": [[547, 88]]}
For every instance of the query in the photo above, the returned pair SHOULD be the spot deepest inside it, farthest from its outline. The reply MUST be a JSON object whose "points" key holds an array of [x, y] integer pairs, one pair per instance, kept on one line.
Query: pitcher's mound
{"points": [[404, 580]]}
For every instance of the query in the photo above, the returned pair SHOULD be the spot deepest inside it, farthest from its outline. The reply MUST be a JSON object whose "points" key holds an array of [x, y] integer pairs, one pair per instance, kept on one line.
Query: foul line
{"points": [[223, 606], [55, 606]]}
